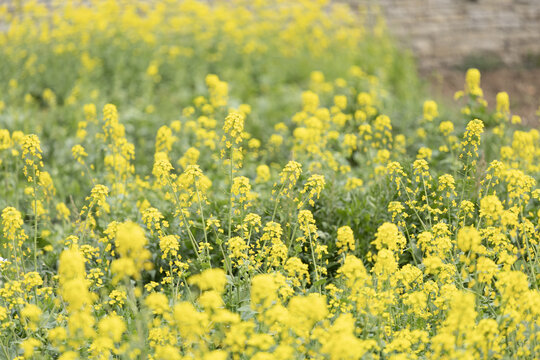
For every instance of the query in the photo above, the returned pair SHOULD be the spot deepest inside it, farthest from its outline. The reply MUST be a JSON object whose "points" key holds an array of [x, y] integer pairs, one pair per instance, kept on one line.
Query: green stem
{"points": [[184, 220], [230, 190], [410, 202], [5, 351], [35, 219], [314, 262], [203, 223], [277, 202]]}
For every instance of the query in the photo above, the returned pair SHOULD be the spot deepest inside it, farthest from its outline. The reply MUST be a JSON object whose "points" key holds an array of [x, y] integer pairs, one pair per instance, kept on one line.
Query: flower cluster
{"points": [[187, 224]]}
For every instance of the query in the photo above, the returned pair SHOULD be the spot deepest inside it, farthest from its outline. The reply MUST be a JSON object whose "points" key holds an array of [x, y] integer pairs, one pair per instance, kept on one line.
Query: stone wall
{"points": [[447, 32]]}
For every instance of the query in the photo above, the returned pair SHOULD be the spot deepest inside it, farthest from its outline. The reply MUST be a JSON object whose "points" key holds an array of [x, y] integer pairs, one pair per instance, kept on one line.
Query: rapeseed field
{"points": [[185, 179]]}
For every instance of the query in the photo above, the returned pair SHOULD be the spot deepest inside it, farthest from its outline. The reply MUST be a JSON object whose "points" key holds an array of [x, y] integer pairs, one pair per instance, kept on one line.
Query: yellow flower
{"points": [[491, 208], [211, 279], [112, 326], [32, 155], [162, 168], [353, 183], [263, 174], [310, 101], [233, 128], [238, 248], [486, 269], [29, 347], [503, 102], [264, 290], [32, 314], [345, 240], [90, 112], [472, 82], [130, 245], [240, 189], [169, 245], [468, 239], [117, 297], [218, 90], [312, 189], [164, 139], [297, 271], [157, 302], [12, 225], [340, 101], [430, 110], [63, 211], [305, 312], [389, 237], [189, 321], [5, 140], [191, 156], [289, 176], [385, 264], [446, 127]]}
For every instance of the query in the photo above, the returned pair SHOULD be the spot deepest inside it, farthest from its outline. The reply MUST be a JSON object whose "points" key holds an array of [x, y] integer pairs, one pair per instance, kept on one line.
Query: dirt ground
{"points": [[521, 84]]}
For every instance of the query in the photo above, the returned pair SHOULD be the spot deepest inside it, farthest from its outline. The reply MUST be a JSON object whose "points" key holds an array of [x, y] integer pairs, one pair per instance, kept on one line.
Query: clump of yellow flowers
{"points": [[336, 232]]}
